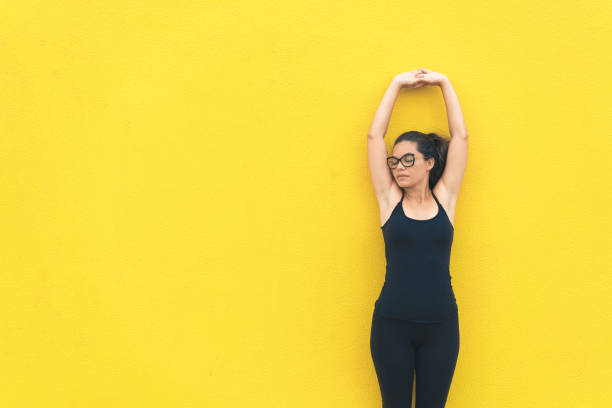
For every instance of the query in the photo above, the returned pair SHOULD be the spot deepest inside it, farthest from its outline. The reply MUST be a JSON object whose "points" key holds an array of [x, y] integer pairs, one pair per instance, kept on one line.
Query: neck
{"points": [[418, 195]]}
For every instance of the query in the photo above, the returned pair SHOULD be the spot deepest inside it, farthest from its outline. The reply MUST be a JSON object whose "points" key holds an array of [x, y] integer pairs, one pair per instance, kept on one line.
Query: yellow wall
{"points": [[188, 219]]}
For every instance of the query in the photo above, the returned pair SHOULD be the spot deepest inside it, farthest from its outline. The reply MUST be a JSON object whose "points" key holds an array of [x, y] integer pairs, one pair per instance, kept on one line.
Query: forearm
{"points": [[456, 123], [379, 125]]}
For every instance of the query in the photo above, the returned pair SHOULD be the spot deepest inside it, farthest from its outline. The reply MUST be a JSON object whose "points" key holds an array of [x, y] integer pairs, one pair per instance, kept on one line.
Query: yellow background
{"points": [[188, 218]]}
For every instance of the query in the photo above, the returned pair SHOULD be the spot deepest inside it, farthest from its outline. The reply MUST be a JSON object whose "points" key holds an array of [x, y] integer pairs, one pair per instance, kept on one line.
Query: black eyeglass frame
{"points": [[407, 160]]}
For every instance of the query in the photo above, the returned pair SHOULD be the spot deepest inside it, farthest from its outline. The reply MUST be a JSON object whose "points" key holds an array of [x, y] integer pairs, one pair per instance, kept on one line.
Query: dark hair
{"points": [[429, 145]]}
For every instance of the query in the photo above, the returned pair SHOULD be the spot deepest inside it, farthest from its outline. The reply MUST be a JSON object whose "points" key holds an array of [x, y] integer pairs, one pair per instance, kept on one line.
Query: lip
{"points": [[402, 176]]}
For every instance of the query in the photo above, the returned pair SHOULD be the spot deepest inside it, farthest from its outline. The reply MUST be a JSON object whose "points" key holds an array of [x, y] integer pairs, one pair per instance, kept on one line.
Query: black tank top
{"points": [[417, 280]]}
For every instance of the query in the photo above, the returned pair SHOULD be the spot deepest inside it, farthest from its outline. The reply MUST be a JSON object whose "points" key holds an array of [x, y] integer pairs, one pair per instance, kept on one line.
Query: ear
{"points": [[431, 162]]}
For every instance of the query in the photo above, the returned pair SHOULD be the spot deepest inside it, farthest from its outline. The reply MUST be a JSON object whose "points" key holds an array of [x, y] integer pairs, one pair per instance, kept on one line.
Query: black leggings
{"points": [[400, 347]]}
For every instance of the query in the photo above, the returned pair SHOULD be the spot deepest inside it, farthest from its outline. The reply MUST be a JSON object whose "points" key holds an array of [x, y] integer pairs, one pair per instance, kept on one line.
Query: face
{"points": [[410, 172]]}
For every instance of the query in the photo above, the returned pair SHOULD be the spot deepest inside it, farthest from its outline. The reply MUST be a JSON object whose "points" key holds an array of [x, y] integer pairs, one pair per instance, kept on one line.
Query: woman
{"points": [[415, 324]]}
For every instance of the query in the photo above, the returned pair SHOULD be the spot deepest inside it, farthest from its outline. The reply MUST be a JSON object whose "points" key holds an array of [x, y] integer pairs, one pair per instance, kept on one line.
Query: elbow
{"points": [[461, 135]]}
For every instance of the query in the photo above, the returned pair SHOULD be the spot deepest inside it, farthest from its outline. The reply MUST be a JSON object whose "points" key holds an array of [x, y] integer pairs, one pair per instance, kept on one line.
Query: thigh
{"points": [[435, 362], [393, 355]]}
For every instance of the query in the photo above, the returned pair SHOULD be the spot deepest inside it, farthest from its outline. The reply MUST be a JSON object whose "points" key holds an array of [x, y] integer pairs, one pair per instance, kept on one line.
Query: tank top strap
{"points": [[401, 201], [435, 198]]}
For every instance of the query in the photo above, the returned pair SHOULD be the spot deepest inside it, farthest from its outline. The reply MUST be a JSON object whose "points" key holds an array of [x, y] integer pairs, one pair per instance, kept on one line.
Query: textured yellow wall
{"points": [[188, 219]]}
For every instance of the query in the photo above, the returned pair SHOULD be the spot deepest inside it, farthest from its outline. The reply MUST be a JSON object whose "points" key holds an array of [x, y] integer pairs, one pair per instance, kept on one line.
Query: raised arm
{"points": [[377, 149], [456, 159]]}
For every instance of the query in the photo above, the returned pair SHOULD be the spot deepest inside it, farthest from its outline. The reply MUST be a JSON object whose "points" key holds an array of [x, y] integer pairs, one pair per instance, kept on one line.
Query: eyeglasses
{"points": [[407, 160]]}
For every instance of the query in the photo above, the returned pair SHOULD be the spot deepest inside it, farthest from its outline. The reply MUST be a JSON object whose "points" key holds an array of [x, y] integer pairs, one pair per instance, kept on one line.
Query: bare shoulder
{"points": [[447, 200]]}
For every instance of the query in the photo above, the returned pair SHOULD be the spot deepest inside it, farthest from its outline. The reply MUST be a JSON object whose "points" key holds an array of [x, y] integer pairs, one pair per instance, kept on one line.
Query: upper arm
{"points": [[382, 179], [456, 161]]}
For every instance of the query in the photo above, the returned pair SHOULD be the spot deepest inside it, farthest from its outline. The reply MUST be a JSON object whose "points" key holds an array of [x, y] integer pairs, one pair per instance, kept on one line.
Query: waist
{"points": [[439, 276], [417, 301]]}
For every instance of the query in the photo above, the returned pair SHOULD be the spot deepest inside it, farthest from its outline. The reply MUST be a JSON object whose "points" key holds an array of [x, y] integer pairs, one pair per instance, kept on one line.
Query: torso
{"points": [[418, 283], [395, 195]]}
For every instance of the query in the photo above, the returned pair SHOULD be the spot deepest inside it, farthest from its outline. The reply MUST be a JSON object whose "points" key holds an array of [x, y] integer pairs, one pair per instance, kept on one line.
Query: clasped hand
{"points": [[418, 78]]}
